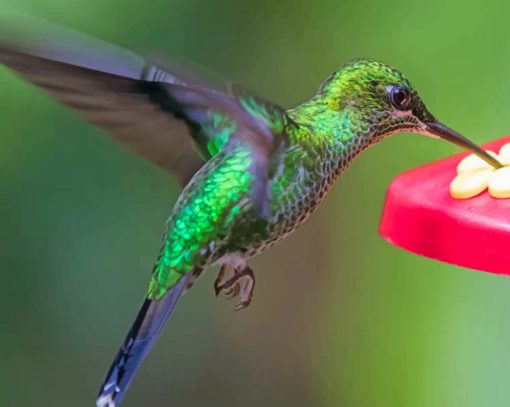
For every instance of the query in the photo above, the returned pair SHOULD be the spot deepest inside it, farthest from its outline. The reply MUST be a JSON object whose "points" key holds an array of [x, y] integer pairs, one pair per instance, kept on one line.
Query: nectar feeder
{"points": [[420, 216]]}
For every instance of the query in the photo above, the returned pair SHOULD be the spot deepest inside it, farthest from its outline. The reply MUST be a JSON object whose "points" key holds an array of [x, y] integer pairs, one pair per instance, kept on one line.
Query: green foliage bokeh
{"points": [[340, 318]]}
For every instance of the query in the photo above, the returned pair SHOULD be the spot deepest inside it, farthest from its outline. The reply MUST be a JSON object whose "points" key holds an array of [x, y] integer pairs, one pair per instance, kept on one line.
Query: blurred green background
{"points": [[340, 317]]}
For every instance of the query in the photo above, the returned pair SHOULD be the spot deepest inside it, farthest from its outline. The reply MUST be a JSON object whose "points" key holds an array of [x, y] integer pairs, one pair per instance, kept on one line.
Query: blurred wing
{"points": [[232, 123], [159, 115]]}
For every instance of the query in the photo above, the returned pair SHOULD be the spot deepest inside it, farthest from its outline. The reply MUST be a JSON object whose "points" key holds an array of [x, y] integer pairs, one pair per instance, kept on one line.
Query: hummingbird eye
{"points": [[399, 97]]}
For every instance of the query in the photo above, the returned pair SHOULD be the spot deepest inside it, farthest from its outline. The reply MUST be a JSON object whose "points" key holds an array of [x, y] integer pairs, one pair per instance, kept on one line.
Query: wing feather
{"points": [[161, 115]]}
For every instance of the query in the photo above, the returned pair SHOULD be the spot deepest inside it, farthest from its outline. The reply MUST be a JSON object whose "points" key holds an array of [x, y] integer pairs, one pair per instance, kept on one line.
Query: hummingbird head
{"points": [[379, 101]]}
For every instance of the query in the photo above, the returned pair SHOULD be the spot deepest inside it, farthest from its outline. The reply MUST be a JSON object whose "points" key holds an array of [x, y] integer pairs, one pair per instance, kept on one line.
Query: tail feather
{"points": [[141, 337]]}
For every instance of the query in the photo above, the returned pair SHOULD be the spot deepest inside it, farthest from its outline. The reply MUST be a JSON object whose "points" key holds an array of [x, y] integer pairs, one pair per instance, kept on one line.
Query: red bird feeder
{"points": [[420, 216]]}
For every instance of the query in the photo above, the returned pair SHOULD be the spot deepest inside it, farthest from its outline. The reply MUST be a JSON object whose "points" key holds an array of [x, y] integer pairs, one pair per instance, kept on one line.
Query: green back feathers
{"points": [[202, 216]]}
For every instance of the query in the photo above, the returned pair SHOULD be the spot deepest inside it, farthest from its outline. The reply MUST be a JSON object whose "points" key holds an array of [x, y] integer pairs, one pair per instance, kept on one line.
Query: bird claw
{"points": [[232, 292], [242, 305], [220, 281], [241, 283]]}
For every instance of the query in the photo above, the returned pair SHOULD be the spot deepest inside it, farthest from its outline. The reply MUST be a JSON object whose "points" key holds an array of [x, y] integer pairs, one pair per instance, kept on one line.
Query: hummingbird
{"points": [[252, 172]]}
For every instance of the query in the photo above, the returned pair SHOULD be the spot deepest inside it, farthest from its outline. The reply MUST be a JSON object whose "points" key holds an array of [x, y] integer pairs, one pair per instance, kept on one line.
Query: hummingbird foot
{"points": [[241, 283], [220, 280]]}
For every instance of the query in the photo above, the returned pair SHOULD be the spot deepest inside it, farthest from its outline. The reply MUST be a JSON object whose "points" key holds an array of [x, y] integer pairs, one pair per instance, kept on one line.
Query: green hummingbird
{"points": [[252, 171]]}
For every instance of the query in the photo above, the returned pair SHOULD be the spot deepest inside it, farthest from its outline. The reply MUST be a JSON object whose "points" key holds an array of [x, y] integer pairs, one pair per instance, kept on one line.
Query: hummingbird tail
{"points": [[141, 337]]}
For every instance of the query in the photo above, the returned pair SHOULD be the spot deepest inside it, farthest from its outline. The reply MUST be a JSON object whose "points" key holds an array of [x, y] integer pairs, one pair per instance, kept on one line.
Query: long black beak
{"points": [[444, 132]]}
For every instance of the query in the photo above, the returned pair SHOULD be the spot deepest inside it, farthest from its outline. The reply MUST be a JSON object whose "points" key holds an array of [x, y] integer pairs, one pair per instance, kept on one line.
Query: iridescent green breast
{"points": [[306, 171]]}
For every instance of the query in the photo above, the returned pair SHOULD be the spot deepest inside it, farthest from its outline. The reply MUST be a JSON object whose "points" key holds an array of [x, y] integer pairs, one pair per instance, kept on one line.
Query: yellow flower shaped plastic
{"points": [[474, 176]]}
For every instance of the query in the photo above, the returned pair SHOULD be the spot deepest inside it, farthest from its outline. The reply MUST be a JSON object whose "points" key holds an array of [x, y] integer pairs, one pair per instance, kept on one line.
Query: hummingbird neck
{"points": [[345, 131]]}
